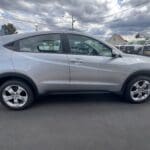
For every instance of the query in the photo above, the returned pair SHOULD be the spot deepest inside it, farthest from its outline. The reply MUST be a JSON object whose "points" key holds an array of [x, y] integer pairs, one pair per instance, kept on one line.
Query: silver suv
{"points": [[55, 62]]}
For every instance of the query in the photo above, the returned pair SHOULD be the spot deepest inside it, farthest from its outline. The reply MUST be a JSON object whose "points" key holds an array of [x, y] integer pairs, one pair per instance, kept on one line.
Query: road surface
{"points": [[77, 122]]}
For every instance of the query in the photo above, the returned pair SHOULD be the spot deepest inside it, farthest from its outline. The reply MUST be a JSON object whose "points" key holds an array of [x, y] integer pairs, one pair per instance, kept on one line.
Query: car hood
{"points": [[137, 58]]}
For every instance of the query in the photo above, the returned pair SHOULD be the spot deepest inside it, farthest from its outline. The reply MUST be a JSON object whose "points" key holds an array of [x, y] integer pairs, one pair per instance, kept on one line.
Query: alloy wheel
{"points": [[140, 90], [15, 96]]}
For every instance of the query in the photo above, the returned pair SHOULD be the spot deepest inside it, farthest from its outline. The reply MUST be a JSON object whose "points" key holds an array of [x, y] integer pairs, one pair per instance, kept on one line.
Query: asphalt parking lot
{"points": [[77, 122]]}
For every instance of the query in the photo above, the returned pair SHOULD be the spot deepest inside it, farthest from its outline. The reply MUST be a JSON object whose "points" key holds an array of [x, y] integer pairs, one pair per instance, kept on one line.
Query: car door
{"points": [[43, 58], [91, 63]]}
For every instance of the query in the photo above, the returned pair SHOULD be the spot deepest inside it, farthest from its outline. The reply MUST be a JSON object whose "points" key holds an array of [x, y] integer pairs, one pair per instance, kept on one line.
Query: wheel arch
{"points": [[134, 75], [10, 76]]}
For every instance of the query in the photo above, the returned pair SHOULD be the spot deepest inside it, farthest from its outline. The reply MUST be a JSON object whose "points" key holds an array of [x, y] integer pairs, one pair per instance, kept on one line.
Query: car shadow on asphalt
{"points": [[81, 101], [79, 98]]}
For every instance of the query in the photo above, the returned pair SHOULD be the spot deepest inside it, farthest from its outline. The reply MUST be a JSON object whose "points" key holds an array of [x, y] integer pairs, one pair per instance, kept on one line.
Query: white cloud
{"points": [[26, 4], [96, 16]]}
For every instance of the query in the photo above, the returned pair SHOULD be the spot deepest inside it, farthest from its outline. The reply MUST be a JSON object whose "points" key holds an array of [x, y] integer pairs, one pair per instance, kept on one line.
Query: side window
{"points": [[81, 45], [12, 45], [41, 43]]}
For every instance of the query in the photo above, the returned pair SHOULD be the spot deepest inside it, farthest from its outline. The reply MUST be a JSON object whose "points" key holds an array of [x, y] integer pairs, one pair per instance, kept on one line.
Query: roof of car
{"points": [[14, 37], [10, 38]]}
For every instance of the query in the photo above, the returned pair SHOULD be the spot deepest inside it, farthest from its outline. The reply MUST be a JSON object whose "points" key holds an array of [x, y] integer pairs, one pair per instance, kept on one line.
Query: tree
{"points": [[137, 35], [9, 29]]}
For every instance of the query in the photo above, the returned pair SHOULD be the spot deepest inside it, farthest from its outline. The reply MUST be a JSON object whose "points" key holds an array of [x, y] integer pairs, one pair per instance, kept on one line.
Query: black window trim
{"points": [[69, 49], [17, 48], [14, 48]]}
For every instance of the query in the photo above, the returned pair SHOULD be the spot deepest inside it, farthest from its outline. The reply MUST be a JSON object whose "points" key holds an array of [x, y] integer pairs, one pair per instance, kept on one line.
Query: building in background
{"points": [[117, 39]]}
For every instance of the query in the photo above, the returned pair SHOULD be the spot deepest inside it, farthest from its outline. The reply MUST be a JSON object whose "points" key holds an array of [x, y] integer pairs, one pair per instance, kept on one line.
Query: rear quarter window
{"points": [[49, 43], [12, 46]]}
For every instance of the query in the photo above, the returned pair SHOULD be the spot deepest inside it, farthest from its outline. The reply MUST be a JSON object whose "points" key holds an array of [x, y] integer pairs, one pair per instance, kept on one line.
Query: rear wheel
{"points": [[16, 95], [138, 90]]}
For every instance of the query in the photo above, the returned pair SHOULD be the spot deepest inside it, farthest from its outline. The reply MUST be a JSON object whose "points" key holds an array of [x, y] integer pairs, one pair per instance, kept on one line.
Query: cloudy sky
{"points": [[99, 17]]}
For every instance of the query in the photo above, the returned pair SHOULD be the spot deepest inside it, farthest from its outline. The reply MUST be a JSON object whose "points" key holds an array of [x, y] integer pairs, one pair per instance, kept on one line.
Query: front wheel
{"points": [[138, 90], [16, 95]]}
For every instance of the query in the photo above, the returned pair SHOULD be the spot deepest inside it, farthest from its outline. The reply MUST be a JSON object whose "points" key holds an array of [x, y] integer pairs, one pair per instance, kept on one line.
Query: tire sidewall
{"points": [[129, 85], [22, 84]]}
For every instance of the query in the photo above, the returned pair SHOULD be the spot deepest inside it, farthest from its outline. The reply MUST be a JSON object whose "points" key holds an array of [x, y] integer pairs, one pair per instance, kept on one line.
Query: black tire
{"points": [[129, 86], [29, 92]]}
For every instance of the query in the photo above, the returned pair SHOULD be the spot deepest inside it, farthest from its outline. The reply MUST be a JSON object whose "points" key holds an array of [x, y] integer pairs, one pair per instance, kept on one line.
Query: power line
{"points": [[119, 19], [122, 11], [137, 5], [40, 23], [20, 21]]}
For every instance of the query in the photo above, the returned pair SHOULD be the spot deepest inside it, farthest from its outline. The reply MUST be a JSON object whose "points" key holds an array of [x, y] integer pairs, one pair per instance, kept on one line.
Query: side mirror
{"points": [[116, 55]]}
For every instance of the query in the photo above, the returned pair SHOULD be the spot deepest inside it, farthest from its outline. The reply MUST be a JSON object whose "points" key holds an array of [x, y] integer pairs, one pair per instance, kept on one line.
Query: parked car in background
{"points": [[145, 50], [39, 63], [121, 47], [130, 49]]}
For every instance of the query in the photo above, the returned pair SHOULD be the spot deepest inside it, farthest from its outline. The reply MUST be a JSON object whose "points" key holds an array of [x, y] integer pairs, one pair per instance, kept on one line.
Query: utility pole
{"points": [[73, 21]]}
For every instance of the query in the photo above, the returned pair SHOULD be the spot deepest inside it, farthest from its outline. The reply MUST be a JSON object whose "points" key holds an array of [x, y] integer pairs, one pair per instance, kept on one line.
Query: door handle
{"points": [[76, 61]]}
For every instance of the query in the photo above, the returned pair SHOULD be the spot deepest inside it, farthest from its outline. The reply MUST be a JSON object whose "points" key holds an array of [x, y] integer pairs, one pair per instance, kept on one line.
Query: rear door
{"points": [[43, 58]]}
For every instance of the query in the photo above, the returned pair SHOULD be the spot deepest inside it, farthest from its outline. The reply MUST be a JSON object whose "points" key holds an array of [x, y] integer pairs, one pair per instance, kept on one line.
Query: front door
{"points": [[89, 61]]}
